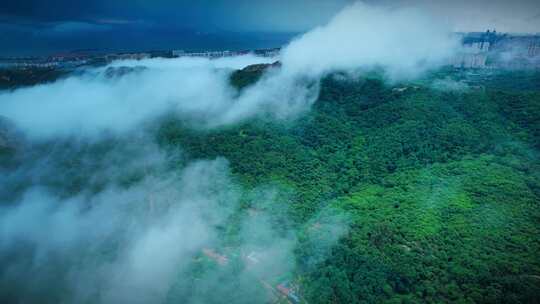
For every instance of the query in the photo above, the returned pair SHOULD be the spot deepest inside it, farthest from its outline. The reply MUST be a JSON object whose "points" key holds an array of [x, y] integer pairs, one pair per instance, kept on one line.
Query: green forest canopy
{"points": [[440, 187]]}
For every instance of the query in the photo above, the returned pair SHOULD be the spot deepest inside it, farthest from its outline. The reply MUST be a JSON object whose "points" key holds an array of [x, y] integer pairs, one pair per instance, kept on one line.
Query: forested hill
{"points": [[441, 184], [435, 182]]}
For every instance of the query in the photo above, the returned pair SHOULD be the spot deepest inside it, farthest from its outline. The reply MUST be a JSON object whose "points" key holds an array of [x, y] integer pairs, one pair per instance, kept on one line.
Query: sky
{"points": [[39, 26]]}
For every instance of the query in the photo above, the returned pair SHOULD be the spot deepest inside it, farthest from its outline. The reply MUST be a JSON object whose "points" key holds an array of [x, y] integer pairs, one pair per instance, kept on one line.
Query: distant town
{"points": [[492, 50], [84, 58], [482, 50]]}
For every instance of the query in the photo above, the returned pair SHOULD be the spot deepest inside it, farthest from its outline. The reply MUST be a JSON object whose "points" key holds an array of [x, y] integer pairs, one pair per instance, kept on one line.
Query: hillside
{"points": [[442, 187], [423, 191]]}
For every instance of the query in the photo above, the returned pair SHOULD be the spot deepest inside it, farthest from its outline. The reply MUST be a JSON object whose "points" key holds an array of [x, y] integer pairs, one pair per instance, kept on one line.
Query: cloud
{"points": [[276, 15], [92, 103], [75, 26], [136, 238], [405, 42], [72, 28], [149, 251], [145, 234], [203, 15], [196, 89], [113, 21]]}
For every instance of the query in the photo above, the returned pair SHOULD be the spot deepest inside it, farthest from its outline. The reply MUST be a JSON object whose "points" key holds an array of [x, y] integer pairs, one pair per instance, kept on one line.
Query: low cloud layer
{"points": [[92, 103], [139, 237], [402, 42]]}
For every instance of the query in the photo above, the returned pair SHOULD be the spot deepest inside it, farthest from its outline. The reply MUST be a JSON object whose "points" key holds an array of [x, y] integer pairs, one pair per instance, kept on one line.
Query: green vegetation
{"points": [[15, 78], [243, 78], [440, 190], [441, 187]]}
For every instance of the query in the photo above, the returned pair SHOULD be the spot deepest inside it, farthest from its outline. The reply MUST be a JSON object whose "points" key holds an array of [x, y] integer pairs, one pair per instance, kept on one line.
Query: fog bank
{"points": [[402, 42], [135, 231]]}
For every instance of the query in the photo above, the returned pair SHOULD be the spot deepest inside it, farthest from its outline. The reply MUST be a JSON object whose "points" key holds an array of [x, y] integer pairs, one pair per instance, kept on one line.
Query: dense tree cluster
{"points": [[441, 187]]}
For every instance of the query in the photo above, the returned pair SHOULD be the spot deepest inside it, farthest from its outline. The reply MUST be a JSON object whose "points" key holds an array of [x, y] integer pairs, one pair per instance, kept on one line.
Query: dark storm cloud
{"points": [[35, 27], [262, 15], [143, 24], [46, 11], [205, 14]]}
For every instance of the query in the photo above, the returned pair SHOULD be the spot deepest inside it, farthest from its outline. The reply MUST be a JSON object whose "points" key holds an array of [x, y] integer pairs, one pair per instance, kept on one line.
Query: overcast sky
{"points": [[31, 25]]}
